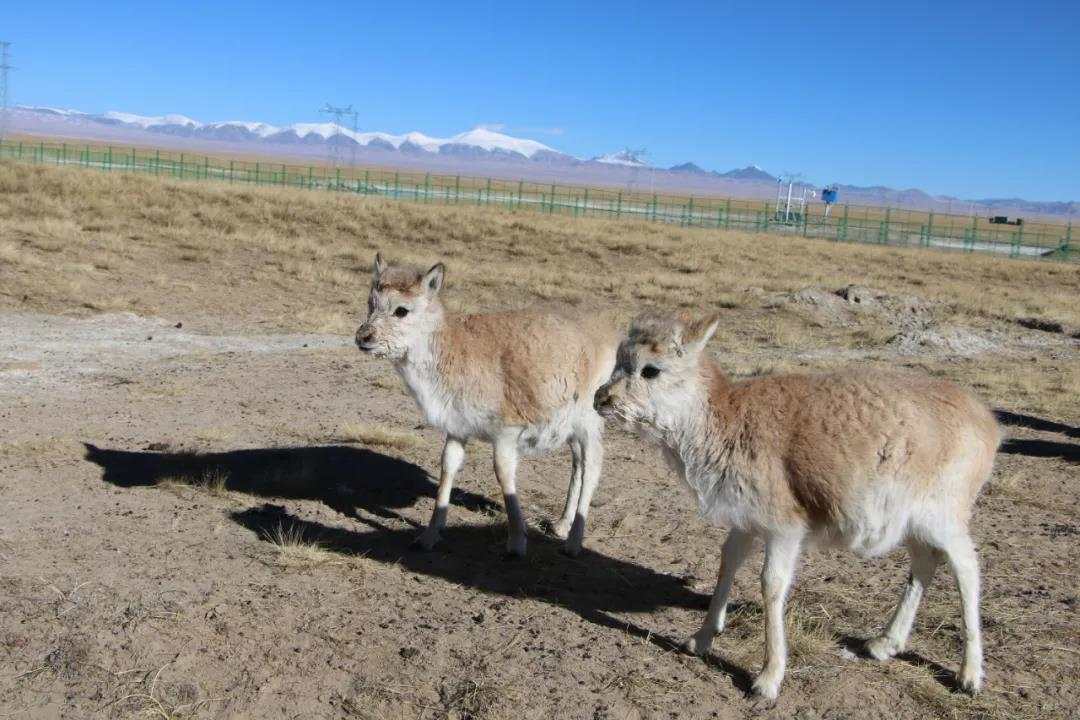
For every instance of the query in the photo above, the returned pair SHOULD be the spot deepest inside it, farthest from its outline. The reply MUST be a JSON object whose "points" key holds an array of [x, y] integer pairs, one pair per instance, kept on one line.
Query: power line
{"points": [[336, 148], [5, 65]]}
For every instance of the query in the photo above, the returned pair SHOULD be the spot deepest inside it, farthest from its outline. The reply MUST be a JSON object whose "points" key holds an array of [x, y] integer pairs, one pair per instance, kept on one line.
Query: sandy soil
{"points": [[145, 469]]}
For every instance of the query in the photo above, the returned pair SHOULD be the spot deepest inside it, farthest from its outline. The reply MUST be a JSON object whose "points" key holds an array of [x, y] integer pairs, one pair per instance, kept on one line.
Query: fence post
{"points": [[63, 148], [551, 202], [618, 206], [397, 184], [929, 227], [1068, 241], [653, 212], [457, 189], [284, 175], [487, 193], [367, 183], [690, 212], [520, 185], [108, 161], [427, 187], [805, 219], [842, 235], [885, 227]]}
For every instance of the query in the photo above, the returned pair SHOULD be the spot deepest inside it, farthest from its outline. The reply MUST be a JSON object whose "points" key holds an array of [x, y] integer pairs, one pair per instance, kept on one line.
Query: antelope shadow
{"points": [[344, 478], [594, 586], [1041, 448], [1032, 422], [946, 677]]}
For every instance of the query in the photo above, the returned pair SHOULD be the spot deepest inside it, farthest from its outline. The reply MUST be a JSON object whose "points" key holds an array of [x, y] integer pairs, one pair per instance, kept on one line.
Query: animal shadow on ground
{"points": [[592, 585], [1039, 448], [945, 676], [344, 478], [1036, 423]]}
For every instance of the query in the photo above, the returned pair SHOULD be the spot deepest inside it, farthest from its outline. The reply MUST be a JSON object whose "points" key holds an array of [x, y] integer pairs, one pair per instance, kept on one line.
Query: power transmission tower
{"points": [[335, 144], [637, 157], [5, 65]]}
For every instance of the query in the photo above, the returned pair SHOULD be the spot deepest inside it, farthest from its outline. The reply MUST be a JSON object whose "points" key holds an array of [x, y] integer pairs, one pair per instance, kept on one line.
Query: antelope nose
{"points": [[601, 397], [364, 336]]}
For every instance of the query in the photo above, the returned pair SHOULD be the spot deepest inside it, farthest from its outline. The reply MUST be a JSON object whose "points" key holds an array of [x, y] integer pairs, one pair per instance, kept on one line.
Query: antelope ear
{"points": [[433, 279], [698, 332], [378, 268]]}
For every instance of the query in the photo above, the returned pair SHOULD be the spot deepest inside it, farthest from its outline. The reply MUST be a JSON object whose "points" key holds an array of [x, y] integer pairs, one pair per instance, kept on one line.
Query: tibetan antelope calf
{"points": [[522, 380], [862, 459]]}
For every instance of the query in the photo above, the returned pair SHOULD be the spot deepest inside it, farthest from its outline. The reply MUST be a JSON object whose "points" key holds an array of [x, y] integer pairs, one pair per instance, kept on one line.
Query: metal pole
{"points": [[5, 66]]}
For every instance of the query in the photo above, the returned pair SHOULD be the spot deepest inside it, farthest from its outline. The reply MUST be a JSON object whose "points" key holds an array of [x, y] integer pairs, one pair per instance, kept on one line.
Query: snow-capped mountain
{"points": [[628, 158], [476, 141]]}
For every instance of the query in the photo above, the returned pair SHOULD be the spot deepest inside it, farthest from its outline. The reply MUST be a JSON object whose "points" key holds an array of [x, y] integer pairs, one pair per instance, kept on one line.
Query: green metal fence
{"points": [[846, 223]]}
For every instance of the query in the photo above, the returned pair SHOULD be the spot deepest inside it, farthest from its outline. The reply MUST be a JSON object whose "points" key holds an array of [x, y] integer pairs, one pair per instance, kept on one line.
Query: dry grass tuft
{"points": [[477, 693], [212, 481], [809, 635], [214, 434], [150, 699], [378, 436], [294, 550]]}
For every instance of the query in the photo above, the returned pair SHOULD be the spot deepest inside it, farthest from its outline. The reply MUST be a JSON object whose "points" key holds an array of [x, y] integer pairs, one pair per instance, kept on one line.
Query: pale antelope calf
{"points": [[522, 380], [862, 459]]}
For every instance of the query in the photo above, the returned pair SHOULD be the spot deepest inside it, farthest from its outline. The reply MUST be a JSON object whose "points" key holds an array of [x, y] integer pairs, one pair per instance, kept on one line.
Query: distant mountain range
{"points": [[750, 172], [480, 151], [473, 142]]}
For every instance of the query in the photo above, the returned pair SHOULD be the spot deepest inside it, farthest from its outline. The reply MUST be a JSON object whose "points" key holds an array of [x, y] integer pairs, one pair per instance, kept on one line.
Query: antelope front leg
{"points": [[781, 554], [506, 458], [736, 548], [453, 455]]}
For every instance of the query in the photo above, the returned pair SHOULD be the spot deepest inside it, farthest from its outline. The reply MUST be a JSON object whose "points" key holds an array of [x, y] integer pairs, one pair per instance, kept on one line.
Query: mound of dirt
{"points": [[841, 307], [955, 340]]}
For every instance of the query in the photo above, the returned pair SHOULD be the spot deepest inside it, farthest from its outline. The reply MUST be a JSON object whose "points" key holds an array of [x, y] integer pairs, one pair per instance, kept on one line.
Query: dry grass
{"points": [[476, 691], [308, 254], [294, 550], [214, 435], [377, 436], [212, 481]]}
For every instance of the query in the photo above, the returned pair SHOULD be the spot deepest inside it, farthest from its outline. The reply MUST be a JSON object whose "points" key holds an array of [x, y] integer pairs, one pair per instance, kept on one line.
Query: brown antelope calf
{"points": [[862, 459], [521, 380]]}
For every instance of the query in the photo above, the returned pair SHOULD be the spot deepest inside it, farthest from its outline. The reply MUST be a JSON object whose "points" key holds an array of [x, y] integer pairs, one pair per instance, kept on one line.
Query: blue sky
{"points": [[978, 99]]}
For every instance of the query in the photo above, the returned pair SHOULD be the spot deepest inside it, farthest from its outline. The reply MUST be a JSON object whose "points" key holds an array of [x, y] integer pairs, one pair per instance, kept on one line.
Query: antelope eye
{"points": [[649, 372], [401, 311]]}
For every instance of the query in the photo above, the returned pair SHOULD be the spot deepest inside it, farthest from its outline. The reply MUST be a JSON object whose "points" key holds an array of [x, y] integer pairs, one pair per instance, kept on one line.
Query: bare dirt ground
{"points": [[213, 520]]}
